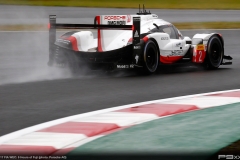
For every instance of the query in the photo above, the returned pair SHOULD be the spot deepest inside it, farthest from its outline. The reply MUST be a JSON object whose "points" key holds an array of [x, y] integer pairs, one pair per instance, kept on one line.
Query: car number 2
{"points": [[198, 56]]}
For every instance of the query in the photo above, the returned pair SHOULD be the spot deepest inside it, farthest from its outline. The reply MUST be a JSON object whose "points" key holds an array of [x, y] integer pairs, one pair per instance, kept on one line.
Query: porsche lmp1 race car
{"points": [[142, 42]]}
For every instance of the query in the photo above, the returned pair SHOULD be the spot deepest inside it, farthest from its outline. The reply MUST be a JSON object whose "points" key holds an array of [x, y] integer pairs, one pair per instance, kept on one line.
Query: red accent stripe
{"points": [[228, 94], [26, 150], [87, 128], [49, 25], [73, 40], [130, 40], [170, 59], [99, 35], [160, 109], [145, 39]]}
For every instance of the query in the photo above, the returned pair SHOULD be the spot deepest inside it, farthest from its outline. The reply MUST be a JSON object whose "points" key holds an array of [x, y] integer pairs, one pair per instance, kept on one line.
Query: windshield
{"points": [[165, 29]]}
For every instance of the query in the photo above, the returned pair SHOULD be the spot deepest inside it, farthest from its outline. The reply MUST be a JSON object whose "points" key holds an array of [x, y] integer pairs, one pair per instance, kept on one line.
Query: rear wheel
{"points": [[151, 57], [70, 60], [214, 53]]}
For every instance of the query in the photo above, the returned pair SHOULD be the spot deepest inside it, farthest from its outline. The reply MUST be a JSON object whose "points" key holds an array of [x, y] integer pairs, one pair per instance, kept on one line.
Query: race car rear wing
{"points": [[53, 26]]}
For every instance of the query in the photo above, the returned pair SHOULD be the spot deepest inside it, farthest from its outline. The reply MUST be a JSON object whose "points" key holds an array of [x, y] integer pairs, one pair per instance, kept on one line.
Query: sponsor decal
{"points": [[136, 30], [136, 47], [164, 38], [199, 54], [178, 44], [128, 18], [115, 18], [200, 47], [116, 22], [63, 41], [136, 18], [52, 16], [176, 53], [136, 34], [136, 58], [125, 66]]}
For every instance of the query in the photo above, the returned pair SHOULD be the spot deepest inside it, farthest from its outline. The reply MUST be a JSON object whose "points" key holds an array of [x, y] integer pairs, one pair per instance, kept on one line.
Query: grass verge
{"points": [[169, 4], [183, 25]]}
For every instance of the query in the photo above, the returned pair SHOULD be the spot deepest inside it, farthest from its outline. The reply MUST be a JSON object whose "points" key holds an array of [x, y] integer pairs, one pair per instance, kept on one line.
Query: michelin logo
{"points": [[136, 58]]}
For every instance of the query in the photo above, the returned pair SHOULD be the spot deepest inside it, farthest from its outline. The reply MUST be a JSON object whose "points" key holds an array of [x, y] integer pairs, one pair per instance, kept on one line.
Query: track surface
{"points": [[39, 15], [23, 58]]}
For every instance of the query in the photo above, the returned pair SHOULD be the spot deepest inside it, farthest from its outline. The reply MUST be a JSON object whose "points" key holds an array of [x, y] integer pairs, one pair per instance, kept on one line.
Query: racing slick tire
{"points": [[215, 53], [150, 57], [76, 66], [70, 60]]}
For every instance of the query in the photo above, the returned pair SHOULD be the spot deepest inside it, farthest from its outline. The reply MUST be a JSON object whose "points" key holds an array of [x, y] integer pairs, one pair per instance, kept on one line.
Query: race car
{"points": [[142, 42]]}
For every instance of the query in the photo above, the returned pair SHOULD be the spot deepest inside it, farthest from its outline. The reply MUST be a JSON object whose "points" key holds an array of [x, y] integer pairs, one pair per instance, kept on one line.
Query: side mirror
{"points": [[156, 26], [188, 40]]}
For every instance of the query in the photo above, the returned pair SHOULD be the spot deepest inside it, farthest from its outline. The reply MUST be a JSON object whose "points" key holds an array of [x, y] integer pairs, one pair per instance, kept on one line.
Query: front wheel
{"points": [[214, 53], [151, 57]]}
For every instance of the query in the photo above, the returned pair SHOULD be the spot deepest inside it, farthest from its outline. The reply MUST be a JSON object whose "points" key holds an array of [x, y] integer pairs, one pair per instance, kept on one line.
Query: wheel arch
{"points": [[158, 49], [211, 66], [220, 37], [208, 37]]}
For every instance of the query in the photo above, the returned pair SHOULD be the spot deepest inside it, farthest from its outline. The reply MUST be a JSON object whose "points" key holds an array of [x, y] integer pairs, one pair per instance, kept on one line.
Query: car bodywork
{"points": [[141, 41]]}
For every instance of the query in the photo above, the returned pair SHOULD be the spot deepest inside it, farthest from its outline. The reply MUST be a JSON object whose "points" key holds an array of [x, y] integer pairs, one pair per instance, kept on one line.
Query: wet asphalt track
{"points": [[31, 93]]}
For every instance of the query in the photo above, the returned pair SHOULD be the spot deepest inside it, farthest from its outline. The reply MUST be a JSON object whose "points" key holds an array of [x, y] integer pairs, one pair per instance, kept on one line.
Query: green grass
{"points": [[183, 25], [165, 4]]}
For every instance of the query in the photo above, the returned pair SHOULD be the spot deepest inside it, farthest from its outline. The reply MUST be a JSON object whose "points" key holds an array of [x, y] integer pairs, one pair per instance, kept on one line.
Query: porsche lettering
{"points": [[115, 18]]}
